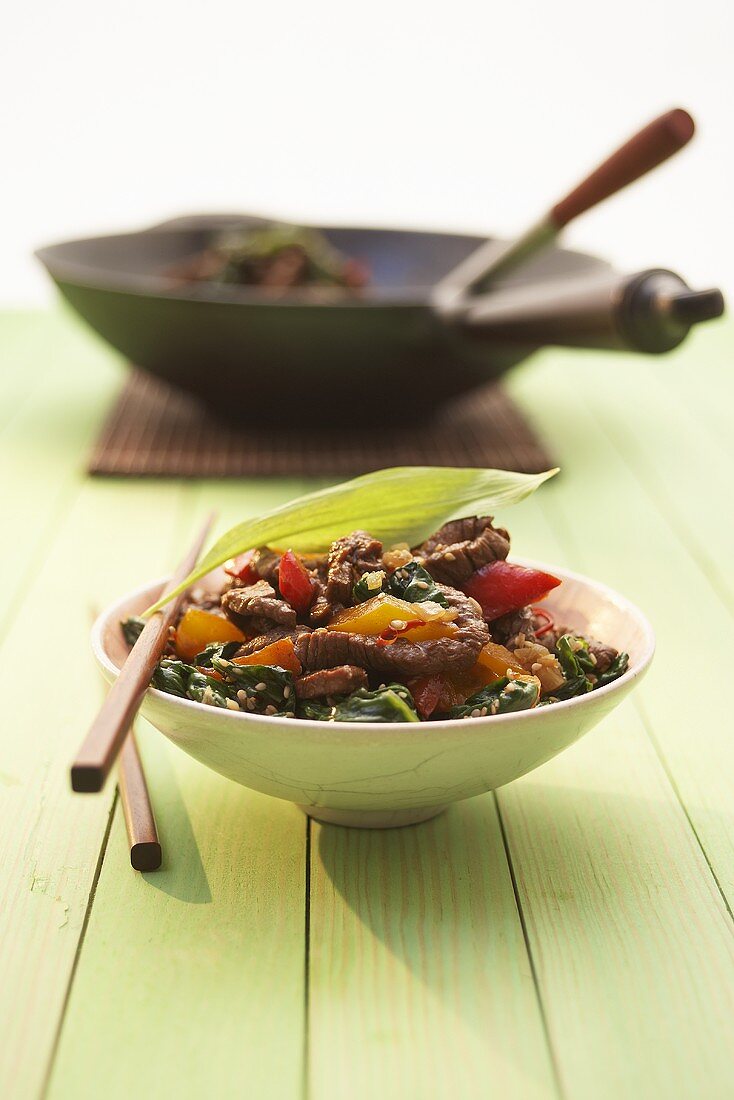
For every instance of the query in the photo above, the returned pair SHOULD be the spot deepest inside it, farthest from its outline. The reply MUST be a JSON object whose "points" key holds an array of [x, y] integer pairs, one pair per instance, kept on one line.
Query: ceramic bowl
{"points": [[380, 775]]}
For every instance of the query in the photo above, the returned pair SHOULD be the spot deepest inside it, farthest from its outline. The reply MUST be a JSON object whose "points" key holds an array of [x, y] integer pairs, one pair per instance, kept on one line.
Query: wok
{"points": [[245, 353]]}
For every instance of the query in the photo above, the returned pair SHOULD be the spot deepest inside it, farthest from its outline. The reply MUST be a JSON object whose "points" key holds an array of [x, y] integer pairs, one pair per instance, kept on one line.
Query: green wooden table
{"points": [[570, 935]]}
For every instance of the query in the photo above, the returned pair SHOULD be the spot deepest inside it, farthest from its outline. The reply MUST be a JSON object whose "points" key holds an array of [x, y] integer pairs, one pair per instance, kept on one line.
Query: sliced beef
{"points": [[255, 607], [274, 634], [604, 654], [331, 681], [461, 547], [331, 648], [507, 627], [349, 558]]}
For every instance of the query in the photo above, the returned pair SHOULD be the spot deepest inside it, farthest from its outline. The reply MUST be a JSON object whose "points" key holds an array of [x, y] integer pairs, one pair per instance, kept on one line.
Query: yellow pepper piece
{"points": [[496, 659], [198, 628], [374, 617]]}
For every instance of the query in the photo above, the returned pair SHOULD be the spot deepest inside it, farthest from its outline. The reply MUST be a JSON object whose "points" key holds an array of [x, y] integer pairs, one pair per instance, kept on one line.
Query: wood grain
{"points": [[420, 985], [641, 548], [196, 971], [420, 978], [618, 900]]}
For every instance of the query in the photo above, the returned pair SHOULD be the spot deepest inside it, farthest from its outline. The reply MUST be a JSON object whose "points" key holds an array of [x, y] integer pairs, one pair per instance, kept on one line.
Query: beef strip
{"points": [[331, 648], [274, 634], [349, 558], [255, 607], [507, 627], [461, 547], [604, 654], [331, 681]]}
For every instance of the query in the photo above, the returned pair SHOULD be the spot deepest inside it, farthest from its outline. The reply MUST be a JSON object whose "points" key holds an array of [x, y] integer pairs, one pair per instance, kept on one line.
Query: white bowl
{"points": [[384, 774]]}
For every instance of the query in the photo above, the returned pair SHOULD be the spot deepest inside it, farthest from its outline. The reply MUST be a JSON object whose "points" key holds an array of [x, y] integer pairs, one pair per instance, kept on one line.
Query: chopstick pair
{"points": [[111, 732]]}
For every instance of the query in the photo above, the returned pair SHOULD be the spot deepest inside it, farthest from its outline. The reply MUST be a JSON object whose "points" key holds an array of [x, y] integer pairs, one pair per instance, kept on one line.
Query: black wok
{"points": [[246, 353]]}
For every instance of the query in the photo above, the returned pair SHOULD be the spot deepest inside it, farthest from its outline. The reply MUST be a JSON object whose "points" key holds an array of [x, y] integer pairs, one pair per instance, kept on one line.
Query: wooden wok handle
{"points": [[646, 150]]}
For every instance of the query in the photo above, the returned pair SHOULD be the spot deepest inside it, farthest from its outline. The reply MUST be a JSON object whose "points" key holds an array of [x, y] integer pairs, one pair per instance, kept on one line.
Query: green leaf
{"points": [[618, 666], [503, 696], [402, 504], [390, 703], [415, 584], [268, 688]]}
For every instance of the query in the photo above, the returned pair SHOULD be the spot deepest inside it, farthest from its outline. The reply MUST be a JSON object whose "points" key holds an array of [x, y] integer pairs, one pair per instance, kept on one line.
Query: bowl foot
{"points": [[372, 819]]}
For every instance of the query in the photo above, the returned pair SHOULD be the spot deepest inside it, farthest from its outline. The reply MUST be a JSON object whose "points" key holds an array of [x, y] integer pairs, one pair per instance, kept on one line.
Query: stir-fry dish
{"points": [[276, 258], [447, 629]]}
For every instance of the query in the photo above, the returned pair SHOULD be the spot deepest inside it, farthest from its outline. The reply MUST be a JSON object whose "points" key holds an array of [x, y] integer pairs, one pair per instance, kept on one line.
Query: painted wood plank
{"points": [[230, 900], [613, 528], [191, 980], [49, 839], [44, 443], [420, 984], [630, 937]]}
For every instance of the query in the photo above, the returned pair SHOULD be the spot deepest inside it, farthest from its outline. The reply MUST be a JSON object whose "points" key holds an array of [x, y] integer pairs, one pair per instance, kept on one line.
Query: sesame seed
{"points": [[422, 584], [450, 556], [270, 709], [261, 686], [536, 666], [484, 712], [286, 691], [397, 624], [242, 696], [476, 713], [250, 704], [232, 704]]}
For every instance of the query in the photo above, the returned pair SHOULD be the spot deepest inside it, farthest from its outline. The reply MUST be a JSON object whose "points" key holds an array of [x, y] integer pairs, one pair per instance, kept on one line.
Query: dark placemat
{"points": [[155, 431]]}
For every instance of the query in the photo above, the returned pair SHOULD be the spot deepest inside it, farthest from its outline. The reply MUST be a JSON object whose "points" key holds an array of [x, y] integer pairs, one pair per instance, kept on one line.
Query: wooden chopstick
{"points": [[107, 733], [142, 834]]}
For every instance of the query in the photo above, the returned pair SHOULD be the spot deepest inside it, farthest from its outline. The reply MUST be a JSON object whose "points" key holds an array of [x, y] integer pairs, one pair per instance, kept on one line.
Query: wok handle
{"points": [[652, 145], [493, 261], [651, 311]]}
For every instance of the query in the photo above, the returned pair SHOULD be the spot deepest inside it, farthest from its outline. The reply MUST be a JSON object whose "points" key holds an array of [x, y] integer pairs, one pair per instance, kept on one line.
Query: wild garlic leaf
{"points": [[401, 504]]}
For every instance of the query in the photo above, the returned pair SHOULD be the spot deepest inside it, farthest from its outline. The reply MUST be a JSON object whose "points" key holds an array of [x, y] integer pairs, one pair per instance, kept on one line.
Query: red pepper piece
{"points": [[296, 586], [242, 568], [501, 587]]}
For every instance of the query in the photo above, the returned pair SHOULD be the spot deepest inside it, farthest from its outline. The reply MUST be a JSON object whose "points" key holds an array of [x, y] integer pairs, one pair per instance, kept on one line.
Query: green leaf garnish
{"points": [[404, 503]]}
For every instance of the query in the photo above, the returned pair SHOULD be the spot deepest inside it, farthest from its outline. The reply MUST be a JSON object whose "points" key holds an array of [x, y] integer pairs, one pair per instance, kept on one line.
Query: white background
{"points": [[459, 115]]}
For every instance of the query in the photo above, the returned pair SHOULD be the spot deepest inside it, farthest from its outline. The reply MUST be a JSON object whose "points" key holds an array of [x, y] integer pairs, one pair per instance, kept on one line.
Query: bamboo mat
{"points": [[155, 431]]}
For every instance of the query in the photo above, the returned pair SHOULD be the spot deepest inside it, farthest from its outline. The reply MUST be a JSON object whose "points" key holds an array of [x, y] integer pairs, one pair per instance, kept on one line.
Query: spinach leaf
{"points": [[390, 703], [502, 696], [225, 650], [172, 676], [315, 710], [573, 686], [415, 584], [268, 689], [132, 628], [369, 585], [575, 661], [618, 666], [215, 693]]}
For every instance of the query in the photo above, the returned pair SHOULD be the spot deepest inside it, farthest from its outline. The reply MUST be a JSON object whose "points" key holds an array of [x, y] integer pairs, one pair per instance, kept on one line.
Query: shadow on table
{"points": [[182, 873], [440, 898]]}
